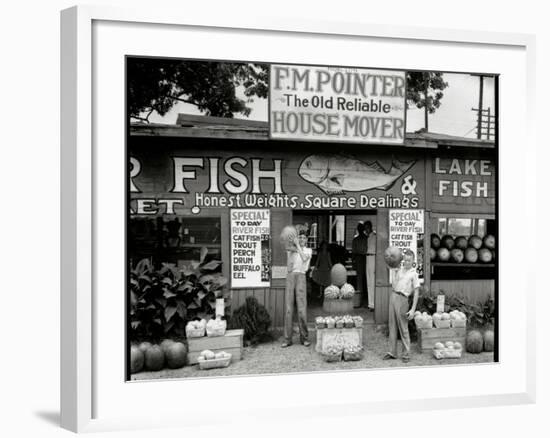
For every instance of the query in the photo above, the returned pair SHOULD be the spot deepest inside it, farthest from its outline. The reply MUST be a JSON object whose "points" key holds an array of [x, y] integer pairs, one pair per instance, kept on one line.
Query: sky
{"points": [[454, 116]]}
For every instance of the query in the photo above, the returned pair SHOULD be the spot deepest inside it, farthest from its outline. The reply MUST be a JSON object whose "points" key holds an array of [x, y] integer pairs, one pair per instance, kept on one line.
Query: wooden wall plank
{"points": [[473, 291], [381, 309]]}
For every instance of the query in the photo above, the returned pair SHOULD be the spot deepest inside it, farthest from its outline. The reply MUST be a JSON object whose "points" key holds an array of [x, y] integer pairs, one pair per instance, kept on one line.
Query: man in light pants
{"points": [[405, 282], [296, 290]]}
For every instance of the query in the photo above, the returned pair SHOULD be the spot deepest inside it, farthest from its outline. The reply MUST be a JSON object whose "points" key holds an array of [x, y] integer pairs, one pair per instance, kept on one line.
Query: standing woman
{"points": [[321, 271]]}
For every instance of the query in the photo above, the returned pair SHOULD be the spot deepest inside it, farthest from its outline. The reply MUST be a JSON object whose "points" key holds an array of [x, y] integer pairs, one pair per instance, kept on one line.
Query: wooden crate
{"points": [[231, 342], [427, 338], [335, 307], [352, 333]]}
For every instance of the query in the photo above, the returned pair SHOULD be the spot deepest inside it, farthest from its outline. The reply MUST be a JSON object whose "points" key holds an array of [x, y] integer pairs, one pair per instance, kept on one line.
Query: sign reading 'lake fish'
{"points": [[337, 104]]}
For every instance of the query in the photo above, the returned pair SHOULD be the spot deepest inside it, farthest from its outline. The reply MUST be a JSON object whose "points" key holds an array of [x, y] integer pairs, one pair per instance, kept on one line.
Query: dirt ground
{"points": [[270, 358]]}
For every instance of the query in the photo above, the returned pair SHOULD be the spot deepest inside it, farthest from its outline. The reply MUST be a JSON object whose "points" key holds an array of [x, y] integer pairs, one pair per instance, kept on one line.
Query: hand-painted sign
{"points": [[190, 180], [406, 229], [339, 173], [337, 104], [467, 183], [250, 248]]}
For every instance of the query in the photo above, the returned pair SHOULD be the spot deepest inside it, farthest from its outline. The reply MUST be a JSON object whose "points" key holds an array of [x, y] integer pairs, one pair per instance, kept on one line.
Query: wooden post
{"points": [[480, 106]]}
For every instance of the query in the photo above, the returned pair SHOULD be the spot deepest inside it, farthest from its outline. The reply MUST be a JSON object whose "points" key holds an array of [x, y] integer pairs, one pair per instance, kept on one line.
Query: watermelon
{"points": [[443, 254], [144, 346], [136, 359], [475, 242], [470, 255], [393, 256], [154, 358], [347, 291], [332, 292], [433, 254], [489, 340], [165, 344], [474, 342], [288, 234], [176, 355], [485, 255], [448, 242], [461, 242], [489, 241], [338, 274], [457, 255], [435, 241]]}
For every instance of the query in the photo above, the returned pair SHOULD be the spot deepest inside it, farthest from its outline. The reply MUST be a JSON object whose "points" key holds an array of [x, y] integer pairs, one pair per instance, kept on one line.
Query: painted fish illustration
{"points": [[339, 173]]}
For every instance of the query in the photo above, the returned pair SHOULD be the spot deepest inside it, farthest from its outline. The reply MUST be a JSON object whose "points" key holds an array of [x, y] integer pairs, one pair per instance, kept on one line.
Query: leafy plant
{"points": [[254, 319], [163, 300], [477, 314]]}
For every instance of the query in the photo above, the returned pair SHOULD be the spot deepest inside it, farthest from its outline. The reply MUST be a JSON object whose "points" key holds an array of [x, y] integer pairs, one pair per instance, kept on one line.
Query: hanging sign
{"points": [[339, 104], [406, 230], [250, 248]]}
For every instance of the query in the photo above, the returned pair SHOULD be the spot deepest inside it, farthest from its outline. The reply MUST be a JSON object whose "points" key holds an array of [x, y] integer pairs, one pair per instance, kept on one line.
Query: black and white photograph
{"points": [[289, 218]]}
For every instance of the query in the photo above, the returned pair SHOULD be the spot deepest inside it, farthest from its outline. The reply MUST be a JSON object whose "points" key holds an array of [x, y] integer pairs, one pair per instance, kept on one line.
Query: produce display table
{"points": [[353, 335], [231, 342], [338, 306], [427, 338]]}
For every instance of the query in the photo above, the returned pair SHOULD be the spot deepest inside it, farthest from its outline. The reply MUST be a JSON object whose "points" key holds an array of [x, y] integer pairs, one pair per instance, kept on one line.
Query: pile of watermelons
{"points": [[155, 357], [462, 249], [476, 342]]}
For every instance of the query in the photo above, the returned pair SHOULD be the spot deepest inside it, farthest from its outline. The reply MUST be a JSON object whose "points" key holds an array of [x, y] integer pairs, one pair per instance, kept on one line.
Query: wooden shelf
{"points": [[464, 265], [192, 245]]}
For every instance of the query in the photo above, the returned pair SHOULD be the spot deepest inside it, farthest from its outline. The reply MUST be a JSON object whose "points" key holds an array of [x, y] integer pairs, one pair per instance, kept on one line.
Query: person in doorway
{"points": [[320, 273], [359, 246], [405, 283], [296, 291], [371, 262]]}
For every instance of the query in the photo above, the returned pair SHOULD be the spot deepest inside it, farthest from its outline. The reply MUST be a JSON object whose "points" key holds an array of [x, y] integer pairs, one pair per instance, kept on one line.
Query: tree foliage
{"points": [[420, 82], [156, 85]]}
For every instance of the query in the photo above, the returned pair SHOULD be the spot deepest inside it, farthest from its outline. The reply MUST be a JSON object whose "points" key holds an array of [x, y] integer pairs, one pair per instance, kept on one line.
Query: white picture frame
{"points": [[92, 394]]}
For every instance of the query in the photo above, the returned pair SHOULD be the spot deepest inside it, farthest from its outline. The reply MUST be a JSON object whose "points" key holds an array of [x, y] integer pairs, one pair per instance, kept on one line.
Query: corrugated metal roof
{"points": [[218, 127]]}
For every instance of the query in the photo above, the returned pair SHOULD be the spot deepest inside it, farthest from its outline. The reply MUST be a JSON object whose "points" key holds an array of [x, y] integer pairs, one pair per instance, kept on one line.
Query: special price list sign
{"points": [[406, 228], [337, 104], [250, 248]]}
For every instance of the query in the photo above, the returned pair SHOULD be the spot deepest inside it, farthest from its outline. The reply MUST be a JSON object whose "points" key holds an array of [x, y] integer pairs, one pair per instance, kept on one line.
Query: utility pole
{"points": [[479, 108]]}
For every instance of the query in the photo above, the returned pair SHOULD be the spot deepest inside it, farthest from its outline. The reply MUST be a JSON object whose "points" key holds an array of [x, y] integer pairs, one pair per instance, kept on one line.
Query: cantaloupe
{"points": [[136, 359], [154, 358], [176, 355], [338, 274], [489, 340], [474, 342], [393, 256]]}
